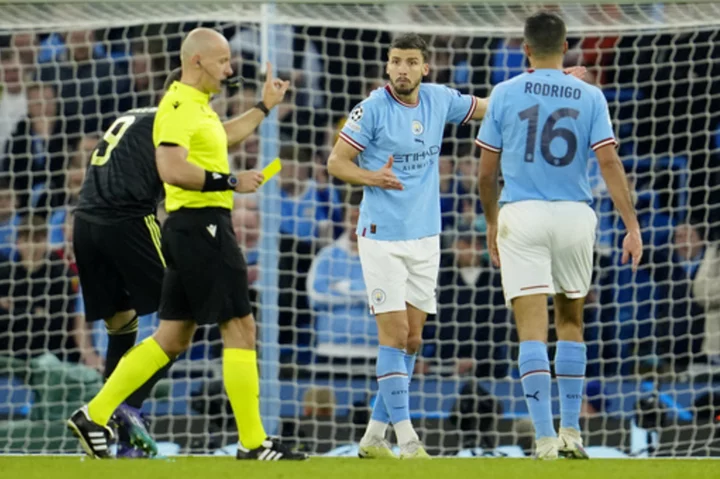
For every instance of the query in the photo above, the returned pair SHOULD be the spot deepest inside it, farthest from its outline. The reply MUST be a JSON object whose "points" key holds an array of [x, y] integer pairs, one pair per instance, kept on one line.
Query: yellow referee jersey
{"points": [[185, 118]]}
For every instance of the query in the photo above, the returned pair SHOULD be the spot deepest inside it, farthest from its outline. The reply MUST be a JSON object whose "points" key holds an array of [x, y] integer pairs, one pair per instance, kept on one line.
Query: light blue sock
{"points": [[379, 412], [570, 360], [535, 376], [393, 383]]}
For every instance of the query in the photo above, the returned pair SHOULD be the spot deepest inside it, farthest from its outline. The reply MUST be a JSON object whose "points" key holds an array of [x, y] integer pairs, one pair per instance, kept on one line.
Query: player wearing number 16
{"points": [[539, 129]]}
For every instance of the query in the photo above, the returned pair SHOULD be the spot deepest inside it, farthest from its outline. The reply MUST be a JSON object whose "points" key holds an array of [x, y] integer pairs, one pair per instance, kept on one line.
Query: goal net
{"points": [[67, 69]]}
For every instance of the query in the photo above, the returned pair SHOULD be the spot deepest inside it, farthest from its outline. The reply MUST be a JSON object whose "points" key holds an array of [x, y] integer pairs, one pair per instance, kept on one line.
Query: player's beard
{"points": [[405, 88]]}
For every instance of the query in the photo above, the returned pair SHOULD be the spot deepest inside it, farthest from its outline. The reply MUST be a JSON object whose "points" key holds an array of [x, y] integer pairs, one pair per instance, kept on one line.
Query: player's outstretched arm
{"points": [[480, 108], [239, 128], [614, 175], [341, 164], [578, 72], [488, 191], [482, 103]]}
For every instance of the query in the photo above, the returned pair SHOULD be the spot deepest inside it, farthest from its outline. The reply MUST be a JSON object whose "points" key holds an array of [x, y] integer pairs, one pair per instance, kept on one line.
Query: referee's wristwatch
{"points": [[262, 107], [232, 181]]}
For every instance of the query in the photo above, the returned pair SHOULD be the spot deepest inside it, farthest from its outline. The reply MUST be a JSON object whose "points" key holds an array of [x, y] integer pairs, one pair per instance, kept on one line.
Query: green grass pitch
{"points": [[74, 467]]}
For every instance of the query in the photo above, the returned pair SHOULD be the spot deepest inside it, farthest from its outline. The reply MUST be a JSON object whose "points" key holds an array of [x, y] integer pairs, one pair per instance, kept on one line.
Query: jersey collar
{"points": [[189, 92], [532, 70], [392, 95]]}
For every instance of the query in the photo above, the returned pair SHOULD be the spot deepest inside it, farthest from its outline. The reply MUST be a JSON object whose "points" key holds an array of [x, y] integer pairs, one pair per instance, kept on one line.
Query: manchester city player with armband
{"points": [[543, 124]]}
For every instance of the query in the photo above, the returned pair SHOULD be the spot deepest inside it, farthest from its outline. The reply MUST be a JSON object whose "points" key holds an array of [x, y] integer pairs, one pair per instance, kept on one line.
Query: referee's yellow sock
{"points": [[133, 370], [243, 389]]}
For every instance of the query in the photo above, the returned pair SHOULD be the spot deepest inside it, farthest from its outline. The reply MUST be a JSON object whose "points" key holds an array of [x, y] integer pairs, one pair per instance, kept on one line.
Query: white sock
{"points": [[405, 432], [376, 429]]}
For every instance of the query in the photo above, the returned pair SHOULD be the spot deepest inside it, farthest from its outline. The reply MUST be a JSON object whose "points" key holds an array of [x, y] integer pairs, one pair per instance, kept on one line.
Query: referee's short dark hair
{"points": [[172, 77], [545, 34]]}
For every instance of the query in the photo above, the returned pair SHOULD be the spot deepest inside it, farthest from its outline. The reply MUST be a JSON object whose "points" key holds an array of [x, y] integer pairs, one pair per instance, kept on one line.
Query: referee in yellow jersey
{"points": [[206, 277]]}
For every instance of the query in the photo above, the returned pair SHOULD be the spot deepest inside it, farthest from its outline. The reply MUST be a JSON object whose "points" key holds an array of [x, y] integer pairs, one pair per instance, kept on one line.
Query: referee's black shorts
{"points": [[120, 265], [206, 278]]}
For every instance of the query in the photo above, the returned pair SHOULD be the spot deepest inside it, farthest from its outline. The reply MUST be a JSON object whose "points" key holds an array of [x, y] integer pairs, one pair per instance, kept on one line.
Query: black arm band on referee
{"points": [[219, 182], [261, 106]]}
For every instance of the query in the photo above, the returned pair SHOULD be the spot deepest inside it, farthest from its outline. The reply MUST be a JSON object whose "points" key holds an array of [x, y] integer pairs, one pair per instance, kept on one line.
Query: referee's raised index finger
{"points": [[268, 72]]}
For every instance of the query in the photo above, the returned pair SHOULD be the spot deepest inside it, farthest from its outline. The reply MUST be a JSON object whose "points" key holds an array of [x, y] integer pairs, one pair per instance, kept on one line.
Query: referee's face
{"points": [[216, 65]]}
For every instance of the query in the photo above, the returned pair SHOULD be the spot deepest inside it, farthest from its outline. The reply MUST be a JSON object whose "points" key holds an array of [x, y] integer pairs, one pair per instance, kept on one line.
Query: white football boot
{"points": [[375, 447], [546, 448], [571, 444]]}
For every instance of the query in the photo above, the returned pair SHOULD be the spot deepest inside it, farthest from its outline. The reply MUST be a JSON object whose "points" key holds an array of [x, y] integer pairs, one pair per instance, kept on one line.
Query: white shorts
{"points": [[397, 272], [546, 248]]}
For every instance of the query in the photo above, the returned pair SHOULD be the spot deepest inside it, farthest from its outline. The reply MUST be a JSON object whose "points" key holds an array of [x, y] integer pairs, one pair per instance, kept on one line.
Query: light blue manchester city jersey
{"points": [[382, 126], [545, 123]]}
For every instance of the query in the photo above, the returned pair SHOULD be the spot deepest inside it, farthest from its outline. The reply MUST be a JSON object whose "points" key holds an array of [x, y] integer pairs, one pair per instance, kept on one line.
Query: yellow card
{"points": [[271, 170]]}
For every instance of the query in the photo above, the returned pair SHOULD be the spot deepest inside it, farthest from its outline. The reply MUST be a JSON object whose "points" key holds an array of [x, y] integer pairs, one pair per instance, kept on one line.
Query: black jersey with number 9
{"points": [[122, 181]]}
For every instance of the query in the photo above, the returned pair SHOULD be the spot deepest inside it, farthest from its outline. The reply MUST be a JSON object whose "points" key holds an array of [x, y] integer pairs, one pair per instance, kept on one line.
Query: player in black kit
{"points": [[116, 239]]}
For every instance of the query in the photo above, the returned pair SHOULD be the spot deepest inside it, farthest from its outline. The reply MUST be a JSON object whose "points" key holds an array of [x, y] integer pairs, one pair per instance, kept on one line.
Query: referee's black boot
{"points": [[270, 450], [94, 438]]}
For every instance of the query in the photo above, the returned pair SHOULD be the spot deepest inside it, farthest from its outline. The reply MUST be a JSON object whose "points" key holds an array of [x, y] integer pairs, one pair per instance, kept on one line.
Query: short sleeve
{"points": [[175, 123], [490, 134], [359, 126], [601, 130], [461, 107]]}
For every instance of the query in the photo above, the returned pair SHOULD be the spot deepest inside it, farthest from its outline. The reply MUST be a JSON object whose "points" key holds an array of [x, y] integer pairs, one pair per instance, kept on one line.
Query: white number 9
{"points": [[111, 138]]}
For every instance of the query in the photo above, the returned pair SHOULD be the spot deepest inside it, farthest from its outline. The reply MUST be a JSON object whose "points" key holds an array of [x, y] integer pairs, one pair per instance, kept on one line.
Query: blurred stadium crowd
{"points": [[59, 90]]}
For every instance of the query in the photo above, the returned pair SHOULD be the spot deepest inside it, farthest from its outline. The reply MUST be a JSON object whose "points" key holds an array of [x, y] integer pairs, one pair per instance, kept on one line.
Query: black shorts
{"points": [[120, 266], [206, 278]]}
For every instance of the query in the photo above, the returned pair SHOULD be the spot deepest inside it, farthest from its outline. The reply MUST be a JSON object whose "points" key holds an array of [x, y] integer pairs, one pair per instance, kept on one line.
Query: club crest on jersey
{"points": [[378, 296], [417, 128]]}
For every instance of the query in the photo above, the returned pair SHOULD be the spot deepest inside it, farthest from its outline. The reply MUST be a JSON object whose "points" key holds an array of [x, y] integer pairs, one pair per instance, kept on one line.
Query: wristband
{"points": [[261, 106], [219, 182]]}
